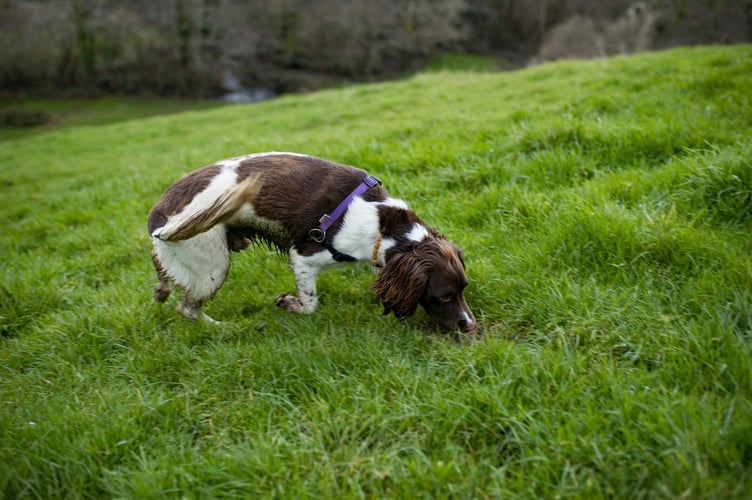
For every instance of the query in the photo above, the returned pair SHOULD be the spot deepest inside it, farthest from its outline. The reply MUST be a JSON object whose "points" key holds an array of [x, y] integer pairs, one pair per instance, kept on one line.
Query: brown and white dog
{"points": [[278, 198]]}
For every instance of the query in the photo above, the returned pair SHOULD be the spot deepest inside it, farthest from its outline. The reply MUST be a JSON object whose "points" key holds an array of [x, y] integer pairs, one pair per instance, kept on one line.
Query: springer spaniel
{"points": [[318, 211]]}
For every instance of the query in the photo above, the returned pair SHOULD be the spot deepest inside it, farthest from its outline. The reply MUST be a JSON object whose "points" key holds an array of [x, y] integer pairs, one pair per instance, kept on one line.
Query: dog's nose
{"points": [[466, 325]]}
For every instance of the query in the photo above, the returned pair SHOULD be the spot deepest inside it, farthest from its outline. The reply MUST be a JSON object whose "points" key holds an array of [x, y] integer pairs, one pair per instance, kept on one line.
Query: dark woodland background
{"points": [[204, 48]]}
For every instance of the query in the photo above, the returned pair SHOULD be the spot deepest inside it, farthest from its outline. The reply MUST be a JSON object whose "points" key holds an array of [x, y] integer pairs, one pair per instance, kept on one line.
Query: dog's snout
{"points": [[467, 325]]}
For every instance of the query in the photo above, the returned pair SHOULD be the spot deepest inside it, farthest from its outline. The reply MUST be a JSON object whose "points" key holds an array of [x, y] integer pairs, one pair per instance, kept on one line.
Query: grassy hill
{"points": [[605, 210]]}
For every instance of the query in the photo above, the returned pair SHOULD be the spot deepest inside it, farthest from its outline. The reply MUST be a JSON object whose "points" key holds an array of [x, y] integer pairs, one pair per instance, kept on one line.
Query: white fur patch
{"points": [[418, 233], [360, 224], [396, 203], [360, 229], [199, 265], [306, 270]]}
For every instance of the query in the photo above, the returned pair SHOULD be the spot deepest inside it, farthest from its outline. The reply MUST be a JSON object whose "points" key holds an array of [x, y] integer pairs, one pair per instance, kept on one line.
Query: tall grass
{"points": [[605, 209]]}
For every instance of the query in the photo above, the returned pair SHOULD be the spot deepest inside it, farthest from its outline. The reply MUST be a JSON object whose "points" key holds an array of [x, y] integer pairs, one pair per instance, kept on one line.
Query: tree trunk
{"points": [[86, 47]]}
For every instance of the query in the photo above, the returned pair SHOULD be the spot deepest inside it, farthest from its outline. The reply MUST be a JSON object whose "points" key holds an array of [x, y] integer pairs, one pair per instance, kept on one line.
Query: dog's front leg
{"points": [[306, 271]]}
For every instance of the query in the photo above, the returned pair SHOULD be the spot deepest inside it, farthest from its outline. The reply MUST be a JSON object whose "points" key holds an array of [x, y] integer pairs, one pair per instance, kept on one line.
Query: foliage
{"points": [[186, 47], [192, 48], [604, 207], [452, 61]]}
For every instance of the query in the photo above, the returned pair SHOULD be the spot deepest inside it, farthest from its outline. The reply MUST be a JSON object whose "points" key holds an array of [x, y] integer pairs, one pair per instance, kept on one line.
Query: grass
{"points": [[92, 112], [605, 209], [452, 61]]}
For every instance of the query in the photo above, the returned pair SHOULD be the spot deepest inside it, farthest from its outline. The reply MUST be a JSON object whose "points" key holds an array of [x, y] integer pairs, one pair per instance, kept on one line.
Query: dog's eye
{"points": [[446, 298]]}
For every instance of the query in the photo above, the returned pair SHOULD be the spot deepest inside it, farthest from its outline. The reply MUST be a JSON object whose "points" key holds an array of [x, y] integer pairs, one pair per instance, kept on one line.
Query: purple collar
{"points": [[318, 234]]}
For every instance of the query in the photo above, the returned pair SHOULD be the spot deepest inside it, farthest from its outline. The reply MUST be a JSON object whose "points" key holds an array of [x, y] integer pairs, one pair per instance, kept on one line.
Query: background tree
{"points": [[184, 47]]}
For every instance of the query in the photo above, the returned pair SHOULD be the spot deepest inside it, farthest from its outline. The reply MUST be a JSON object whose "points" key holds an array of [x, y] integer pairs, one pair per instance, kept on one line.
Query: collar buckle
{"points": [[372, 181]]}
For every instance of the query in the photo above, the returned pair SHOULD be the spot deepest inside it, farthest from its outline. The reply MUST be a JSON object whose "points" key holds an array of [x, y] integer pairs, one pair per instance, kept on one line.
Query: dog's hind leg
{"points": [[163, 288], [198, 265]]}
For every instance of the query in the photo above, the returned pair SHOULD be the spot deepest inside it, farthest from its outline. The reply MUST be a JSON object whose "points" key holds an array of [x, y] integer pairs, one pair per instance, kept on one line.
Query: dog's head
{"points": [[430, 273]]}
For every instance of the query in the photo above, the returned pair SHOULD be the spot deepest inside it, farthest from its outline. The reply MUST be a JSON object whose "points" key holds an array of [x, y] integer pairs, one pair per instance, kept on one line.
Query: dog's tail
{"points": [[201, 218]]}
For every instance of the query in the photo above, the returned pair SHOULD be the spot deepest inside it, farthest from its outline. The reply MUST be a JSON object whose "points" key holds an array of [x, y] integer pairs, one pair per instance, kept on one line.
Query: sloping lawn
{"points": [[605, 210]]}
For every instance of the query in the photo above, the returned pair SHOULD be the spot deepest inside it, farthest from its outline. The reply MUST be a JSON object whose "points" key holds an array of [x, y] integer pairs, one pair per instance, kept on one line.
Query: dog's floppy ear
{"points": [[401, 283]]}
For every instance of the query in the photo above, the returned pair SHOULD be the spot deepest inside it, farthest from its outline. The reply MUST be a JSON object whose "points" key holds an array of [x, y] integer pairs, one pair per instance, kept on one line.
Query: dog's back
{"points": [[281, 193]]}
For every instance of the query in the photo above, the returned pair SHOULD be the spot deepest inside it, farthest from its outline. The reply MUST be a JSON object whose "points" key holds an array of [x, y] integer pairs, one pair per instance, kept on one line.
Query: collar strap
{"points": [[318, 234], [337, 255]]}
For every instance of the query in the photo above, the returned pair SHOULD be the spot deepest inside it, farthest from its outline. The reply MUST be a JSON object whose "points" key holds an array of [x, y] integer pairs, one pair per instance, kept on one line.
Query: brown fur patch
{"points": [[401, 283], [415, 271], [298, 190], [451, 254], [397, 222], [180, 194]]}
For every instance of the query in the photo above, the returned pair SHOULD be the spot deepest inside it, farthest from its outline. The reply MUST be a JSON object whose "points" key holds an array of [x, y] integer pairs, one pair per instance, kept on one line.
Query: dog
{"points": [[321, 213]]}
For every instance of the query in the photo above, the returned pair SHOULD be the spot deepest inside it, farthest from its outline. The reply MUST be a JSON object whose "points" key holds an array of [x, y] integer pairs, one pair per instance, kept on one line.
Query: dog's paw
{"points": [[194, 314], [161, 292], [289, 302]]}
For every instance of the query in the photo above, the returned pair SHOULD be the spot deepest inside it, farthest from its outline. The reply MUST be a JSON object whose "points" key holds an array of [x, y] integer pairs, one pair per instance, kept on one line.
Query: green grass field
{"points": [[605, 210]]}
